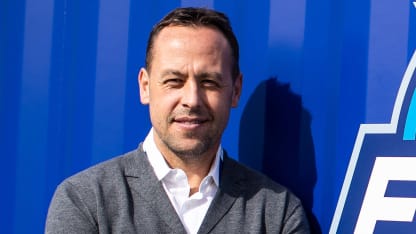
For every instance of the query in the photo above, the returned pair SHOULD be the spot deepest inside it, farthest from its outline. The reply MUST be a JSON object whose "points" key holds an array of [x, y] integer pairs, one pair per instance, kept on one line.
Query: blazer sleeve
{"points": [[68, 212], [296, 222]]}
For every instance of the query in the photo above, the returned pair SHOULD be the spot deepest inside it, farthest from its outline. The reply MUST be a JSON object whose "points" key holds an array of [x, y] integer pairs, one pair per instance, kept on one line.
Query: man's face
{"points": [[189, 89]]}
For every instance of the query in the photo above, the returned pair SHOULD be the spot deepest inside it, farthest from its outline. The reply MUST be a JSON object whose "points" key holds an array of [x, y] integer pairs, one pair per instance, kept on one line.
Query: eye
{"points": [[173, 82], [210, 83]]}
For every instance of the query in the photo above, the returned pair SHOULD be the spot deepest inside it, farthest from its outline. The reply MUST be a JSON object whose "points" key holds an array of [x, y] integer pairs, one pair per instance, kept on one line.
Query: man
{"points": [[180, 180]]}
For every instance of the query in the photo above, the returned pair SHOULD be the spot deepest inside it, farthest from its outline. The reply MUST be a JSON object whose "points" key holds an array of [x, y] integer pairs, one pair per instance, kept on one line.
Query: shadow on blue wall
{"points": [[275, 138]]}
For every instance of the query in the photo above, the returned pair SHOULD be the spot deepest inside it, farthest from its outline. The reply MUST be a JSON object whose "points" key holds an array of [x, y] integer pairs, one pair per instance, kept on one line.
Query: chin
{"points": [[194, 150]]}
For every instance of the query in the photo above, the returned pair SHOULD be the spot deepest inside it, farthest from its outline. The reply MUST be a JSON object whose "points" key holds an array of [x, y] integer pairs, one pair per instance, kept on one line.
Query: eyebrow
{"points": [[215, 75], [173, 72]]}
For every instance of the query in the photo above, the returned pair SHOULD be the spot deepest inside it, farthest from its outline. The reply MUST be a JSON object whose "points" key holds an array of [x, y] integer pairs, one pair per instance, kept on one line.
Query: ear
{"points": [[143, 80], [238, 85]]}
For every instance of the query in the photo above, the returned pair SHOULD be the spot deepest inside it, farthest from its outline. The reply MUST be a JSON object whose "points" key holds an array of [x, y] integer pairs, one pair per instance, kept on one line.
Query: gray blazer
{"points": [[123, 195]]}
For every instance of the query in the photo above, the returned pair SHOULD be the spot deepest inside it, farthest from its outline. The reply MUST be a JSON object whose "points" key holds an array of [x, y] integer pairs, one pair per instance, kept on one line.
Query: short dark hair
{"points": [[191, 16]]}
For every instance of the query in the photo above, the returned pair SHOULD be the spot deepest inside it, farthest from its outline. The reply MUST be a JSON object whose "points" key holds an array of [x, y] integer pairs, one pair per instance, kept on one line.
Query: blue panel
{"points": [[137, 122], [352, 24], [320, 93], [33, 118], [112, 42], [387, 57], [71, 90], [200, 3], [11, 47], [252, 33], [411, 30], [286, 41]]}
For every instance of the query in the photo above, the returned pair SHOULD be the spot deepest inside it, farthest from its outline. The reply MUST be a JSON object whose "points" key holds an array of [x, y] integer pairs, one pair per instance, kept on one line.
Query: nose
{"points": [[191, 95]]}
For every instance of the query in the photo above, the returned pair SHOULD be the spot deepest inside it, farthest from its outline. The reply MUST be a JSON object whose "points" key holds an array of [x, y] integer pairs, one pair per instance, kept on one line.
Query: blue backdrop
{"points": [[313, 72]]}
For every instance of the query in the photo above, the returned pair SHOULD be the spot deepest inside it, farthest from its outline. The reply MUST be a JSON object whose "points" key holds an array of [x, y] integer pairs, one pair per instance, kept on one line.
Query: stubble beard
{"points": [[190, 153], [205, 143]]}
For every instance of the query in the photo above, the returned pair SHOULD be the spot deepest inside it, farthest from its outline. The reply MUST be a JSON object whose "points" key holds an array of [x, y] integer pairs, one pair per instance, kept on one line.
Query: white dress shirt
{"points": [[190, 209]]}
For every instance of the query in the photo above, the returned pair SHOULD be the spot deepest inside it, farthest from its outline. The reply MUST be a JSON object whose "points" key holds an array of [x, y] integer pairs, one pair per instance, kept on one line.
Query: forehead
{"points": [[181, 47], [191, 37]]}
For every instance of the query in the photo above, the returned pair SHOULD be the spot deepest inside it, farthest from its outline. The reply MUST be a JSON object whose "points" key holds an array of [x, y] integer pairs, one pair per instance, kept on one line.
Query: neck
{"points": [[195, 168]]}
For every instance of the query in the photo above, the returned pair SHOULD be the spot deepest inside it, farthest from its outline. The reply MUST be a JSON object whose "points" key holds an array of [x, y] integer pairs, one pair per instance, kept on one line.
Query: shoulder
{"points": [[114, 166], [258, 187], [260, 198], [79, 201], [108, 174], [251, 178], [100, 183]]}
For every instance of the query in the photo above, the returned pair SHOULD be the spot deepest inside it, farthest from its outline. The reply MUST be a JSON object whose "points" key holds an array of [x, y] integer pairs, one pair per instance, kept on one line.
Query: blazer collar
{"points": [[143, 181], [231, 187]]}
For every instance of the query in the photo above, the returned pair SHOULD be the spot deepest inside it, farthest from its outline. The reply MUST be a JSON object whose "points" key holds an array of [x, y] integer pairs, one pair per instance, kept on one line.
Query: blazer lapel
{"points": [[141, 179], [231, 187]]}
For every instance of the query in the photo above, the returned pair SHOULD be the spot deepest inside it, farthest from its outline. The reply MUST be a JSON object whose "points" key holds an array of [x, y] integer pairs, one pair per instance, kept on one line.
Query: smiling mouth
{"points": [[189, 121]]}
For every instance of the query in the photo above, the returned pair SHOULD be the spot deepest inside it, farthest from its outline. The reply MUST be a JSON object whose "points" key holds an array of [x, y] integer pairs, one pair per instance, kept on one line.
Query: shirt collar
{"points": [[161, 168]]}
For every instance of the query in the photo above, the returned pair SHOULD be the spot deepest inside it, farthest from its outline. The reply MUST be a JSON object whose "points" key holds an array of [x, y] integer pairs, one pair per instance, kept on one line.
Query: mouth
{"points": [[189, 122]]}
